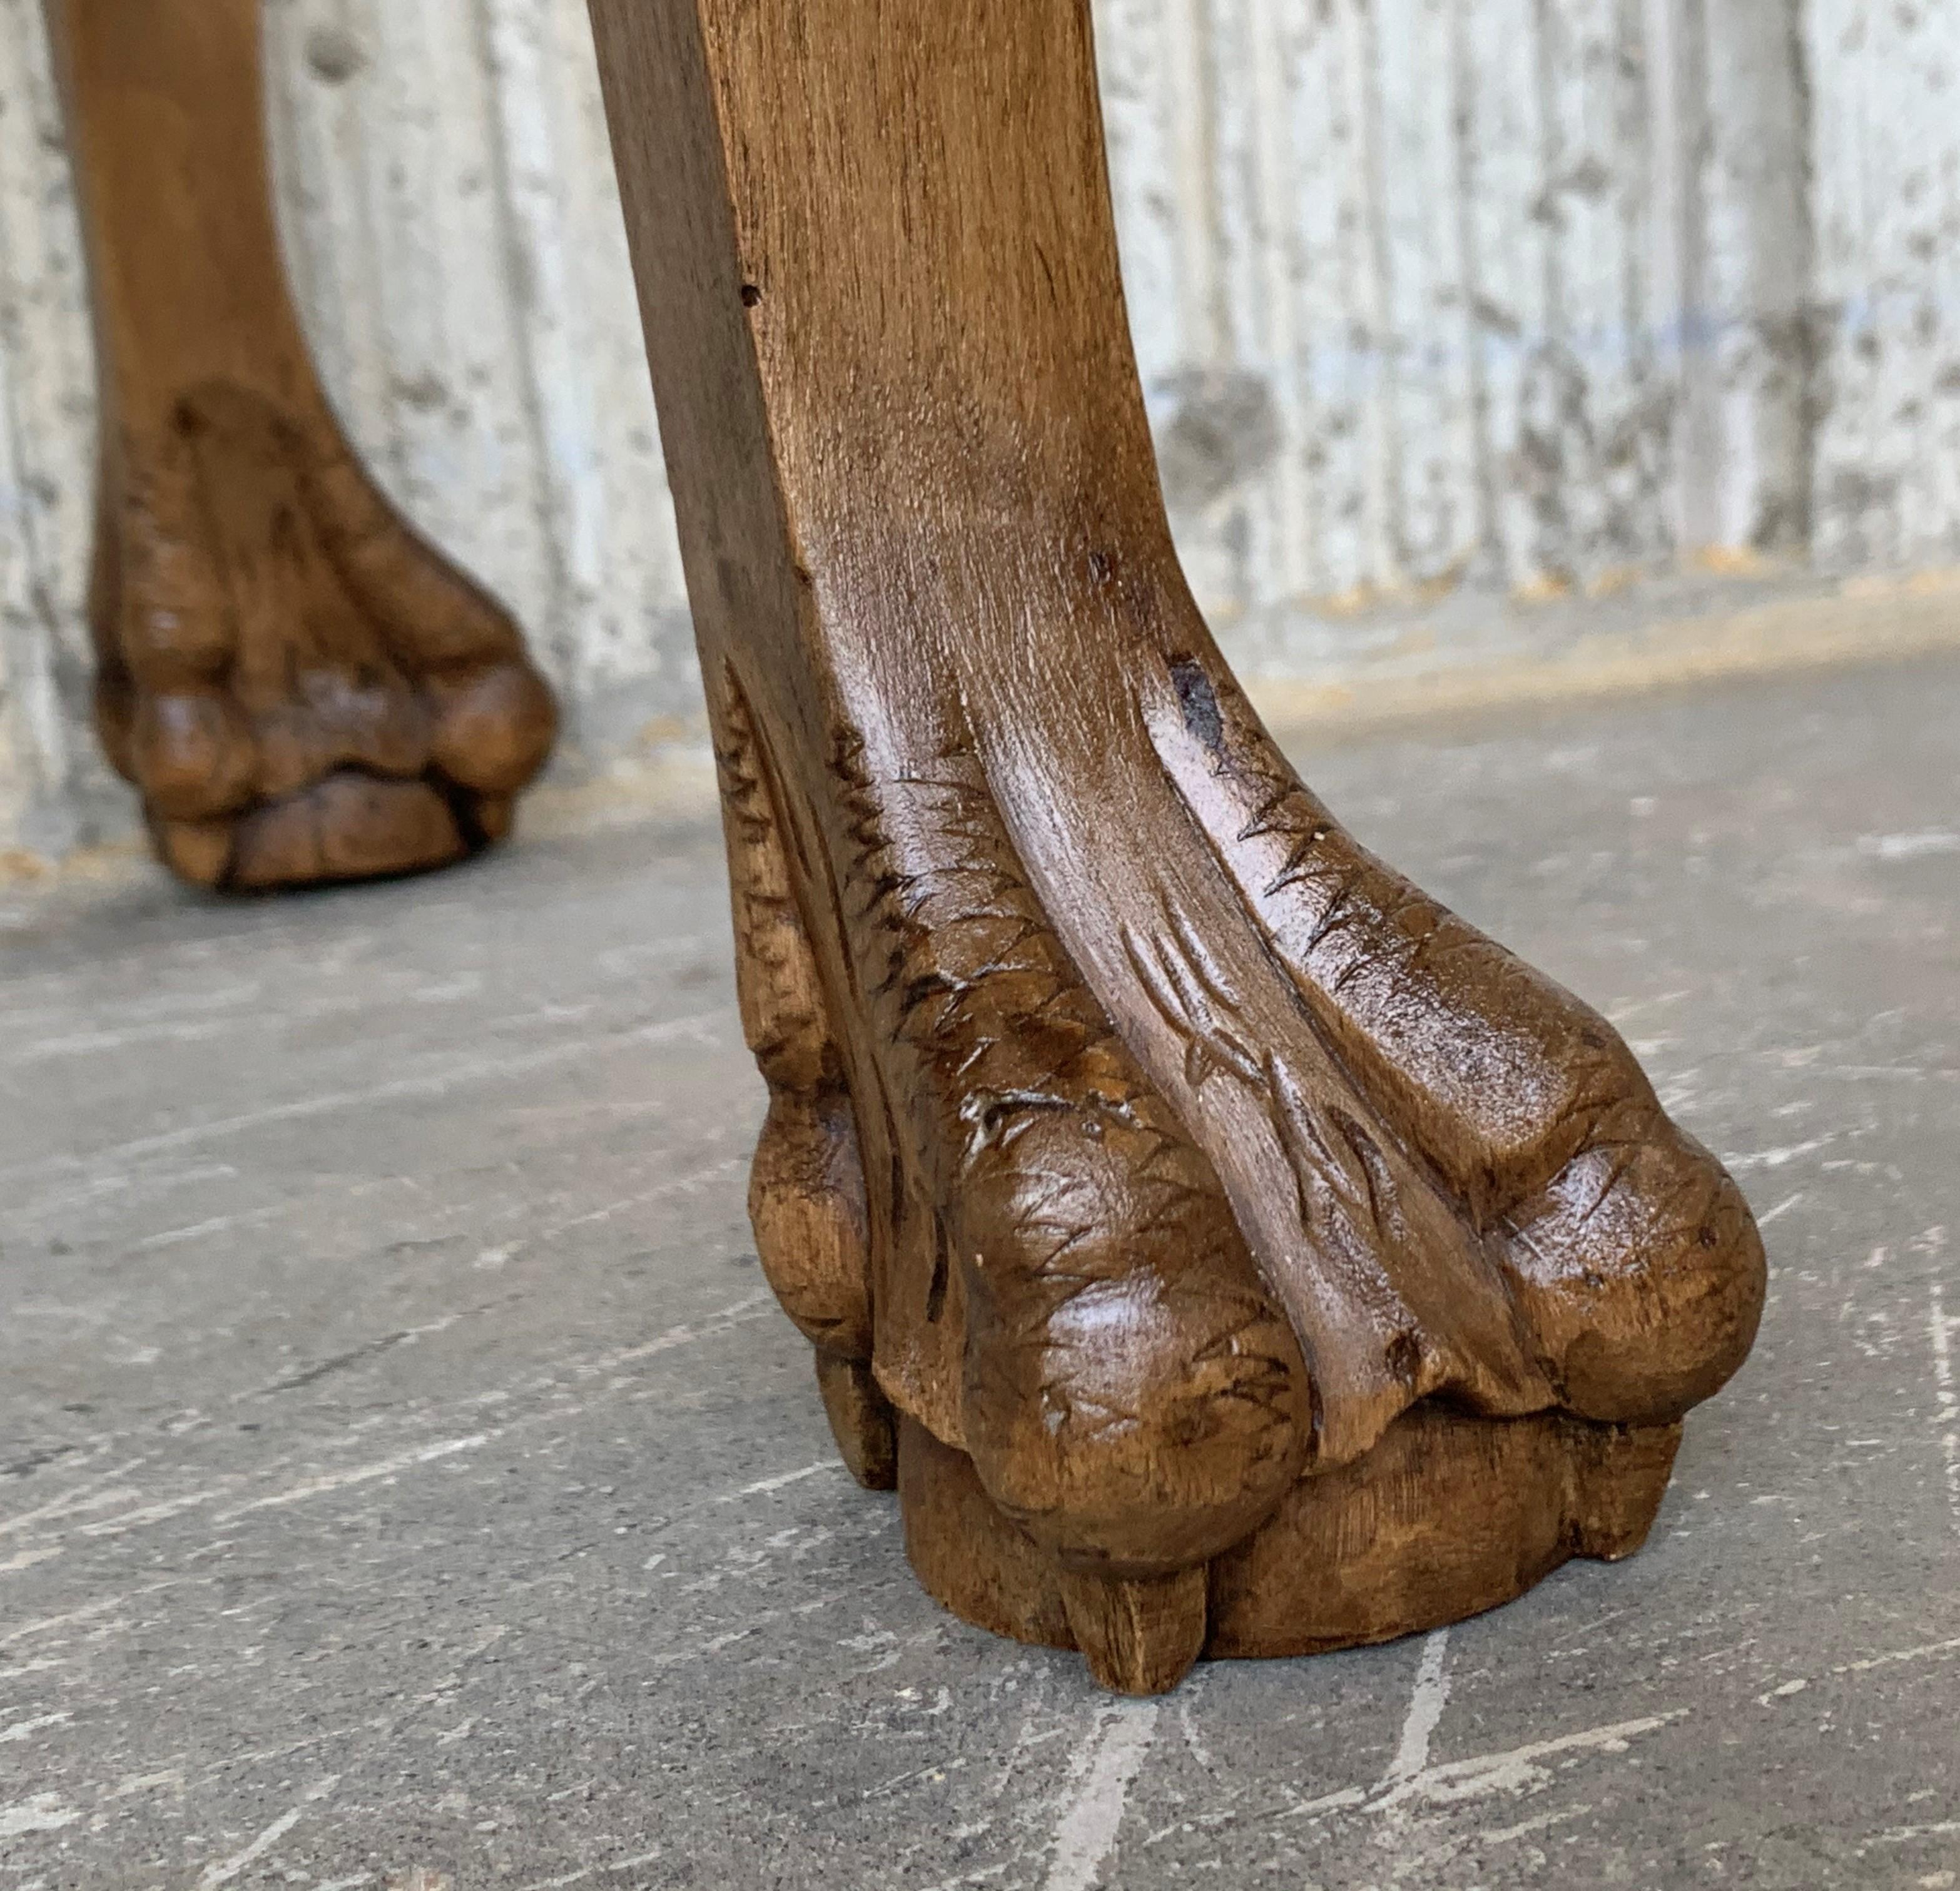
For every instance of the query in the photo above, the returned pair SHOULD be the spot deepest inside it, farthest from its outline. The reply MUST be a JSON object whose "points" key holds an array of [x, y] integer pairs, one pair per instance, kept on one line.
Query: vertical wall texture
{"points": [[54, 788], [1511, 292], [1508, 298]]}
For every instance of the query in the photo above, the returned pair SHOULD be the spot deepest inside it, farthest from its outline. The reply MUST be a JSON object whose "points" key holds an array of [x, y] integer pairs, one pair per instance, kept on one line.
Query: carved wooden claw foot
{"points": [[1223, 1249], [302, 689], [1249, 1258]]}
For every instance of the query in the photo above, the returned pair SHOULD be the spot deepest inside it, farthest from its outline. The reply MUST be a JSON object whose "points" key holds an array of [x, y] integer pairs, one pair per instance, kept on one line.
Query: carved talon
{"points": [[861, 1420], [1139, 1637], [302, 689]]}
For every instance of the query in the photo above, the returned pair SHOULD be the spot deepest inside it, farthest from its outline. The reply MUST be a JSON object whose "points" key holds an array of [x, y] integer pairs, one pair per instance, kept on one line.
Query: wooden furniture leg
{"points": [[1224, 1249], [301, 689]]}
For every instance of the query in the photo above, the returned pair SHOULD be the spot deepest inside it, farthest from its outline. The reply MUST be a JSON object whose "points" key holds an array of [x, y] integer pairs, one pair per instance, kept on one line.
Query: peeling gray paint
{"points": [[1520, 299]]}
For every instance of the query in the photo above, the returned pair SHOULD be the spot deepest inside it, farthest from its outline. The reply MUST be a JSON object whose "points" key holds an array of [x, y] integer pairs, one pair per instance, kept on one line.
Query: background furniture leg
{"points": [[301, 689]]}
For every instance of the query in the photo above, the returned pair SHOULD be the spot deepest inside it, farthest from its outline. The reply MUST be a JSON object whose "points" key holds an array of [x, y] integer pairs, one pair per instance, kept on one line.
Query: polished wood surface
{"points": [[301, 689], [1223, 1246]]}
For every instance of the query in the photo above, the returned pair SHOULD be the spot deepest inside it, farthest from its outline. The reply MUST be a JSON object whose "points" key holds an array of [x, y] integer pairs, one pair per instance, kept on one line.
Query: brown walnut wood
{"points": [[1250, 1257], [301, 688]]}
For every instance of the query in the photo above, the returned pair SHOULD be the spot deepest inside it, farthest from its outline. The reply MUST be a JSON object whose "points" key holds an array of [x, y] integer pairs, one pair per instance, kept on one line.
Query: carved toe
{"points": [[493, 726], [861, 1420], [349, 827], [192, 754], [1642, 1272], [1133, 1396], [1138, 1637], [807, 1206]]}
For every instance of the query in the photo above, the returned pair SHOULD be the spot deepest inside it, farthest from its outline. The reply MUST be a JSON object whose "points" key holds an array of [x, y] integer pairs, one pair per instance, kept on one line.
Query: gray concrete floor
{"points": [[406, 1481]]}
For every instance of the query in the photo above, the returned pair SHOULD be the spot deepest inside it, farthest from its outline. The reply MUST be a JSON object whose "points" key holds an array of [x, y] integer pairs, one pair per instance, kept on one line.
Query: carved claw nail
{"points": [[861, 1421], [1139, 1637]]}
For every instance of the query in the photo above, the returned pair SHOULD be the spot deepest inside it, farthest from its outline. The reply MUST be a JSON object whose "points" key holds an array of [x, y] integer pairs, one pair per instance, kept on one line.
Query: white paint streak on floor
{"points": [[1191, 1692], [170, 1779], [753, 1308], [1428, 1697], [1908, 847], [1925, 1651], [104, 1493], [43, 1812], [226, 1869], [678, 1185], [1905, 1834], [1328, 1802], [1941, 1325], [1410, 1780], [1775, 1158], [73, 1616], [1919, 1653], [128, 1186], [151, 1513], [26, 1558], [89, 1495], [26, 1729], [1086, 1834], [1427, 1701], [1518, 1770], [85, 1043], [763, 1485], [212, 1224], [1505, 1834], [359, 1474], [1025, 1739]]}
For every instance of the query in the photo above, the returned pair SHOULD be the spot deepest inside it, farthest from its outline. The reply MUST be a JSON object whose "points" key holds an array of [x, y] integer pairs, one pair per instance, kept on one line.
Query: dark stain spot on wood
{"points": [[1198, 701]]}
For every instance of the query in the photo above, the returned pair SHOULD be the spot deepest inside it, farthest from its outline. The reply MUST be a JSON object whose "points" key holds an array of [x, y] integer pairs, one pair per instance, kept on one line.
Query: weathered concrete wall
{"points": [[1440, 304]]}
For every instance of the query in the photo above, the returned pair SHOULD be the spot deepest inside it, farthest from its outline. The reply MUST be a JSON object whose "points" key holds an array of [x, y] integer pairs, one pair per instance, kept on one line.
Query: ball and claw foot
{"points": [[1224, 1250], [302, 690]]}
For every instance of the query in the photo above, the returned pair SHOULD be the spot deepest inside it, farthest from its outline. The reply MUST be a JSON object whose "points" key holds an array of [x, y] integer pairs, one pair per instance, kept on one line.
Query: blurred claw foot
{"points": [[302, 690]]}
